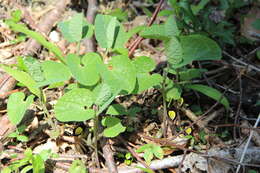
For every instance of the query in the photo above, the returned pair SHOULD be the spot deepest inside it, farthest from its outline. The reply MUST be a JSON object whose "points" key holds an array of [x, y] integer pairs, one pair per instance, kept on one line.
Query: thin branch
{"points": [[247, 144], [242, 62]]}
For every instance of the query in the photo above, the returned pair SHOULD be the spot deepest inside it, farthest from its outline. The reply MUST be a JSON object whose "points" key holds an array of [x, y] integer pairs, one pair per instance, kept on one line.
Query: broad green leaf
{"points": [[155, 32], [114, 127], [103, 31], [102, 93], [123, 71], [173, 92], [146, 81], [85, 70], [143, 64], [38, 164], [76, 28], [24, 78], [75, 106], [210, 92], [143, 148], [38, 37], [148, 156], [116, 109], [171, 28], [174, 51], [16, 113], [258, 54], [191, 74], [33, 67], [196, 48], [111, 32], [54, 72], [157, 151], [22, 138]]}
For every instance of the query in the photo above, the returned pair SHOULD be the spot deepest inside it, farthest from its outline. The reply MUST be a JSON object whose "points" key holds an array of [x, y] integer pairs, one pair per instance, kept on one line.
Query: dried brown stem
{"points": [[108, 155]]}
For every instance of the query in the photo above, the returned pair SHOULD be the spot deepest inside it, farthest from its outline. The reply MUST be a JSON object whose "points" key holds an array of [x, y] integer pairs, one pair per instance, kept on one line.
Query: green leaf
{"points": [[154, 32], [119, 14], [24, 78], [148, 156], [173, 92], [146, 81], [105, 29], [123, 71], [191, 74], [33, 67], [16, 113], [210, 92], [76, 28], [22, 138], [197, 8], [198, 47], [111, 32], [171, 28], [116, 109], [38, 164], [26, 169], [102, 93], [174, 51], [143, 64], [16, 15], [77, 166], [157, 151], [85, 70], [38, 37], [114, 127], [256, 24], [143, 148], [75, 106], [258, 54], [54, 72]]}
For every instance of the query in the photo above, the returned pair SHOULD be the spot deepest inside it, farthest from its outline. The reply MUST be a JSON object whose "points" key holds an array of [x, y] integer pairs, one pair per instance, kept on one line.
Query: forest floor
{"points": [[202, 135]]}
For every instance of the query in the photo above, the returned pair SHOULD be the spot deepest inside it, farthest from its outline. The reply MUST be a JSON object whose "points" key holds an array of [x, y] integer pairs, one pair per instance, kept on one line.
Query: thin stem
{"points": [[164, 128], [46, 112], [95, 131]]}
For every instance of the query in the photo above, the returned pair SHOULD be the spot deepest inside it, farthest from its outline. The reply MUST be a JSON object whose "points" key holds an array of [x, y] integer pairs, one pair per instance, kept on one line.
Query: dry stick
{"points": [[108, 155], [134, 45], [239, 106], [203, 115], [91, 13], [45, 25], [247, 144], [242, 62]]}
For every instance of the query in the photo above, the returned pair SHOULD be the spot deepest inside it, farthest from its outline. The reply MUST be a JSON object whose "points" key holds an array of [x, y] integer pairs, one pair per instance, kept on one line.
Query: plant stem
{"points": [[95, 131], [46, 112], [164, 127]]}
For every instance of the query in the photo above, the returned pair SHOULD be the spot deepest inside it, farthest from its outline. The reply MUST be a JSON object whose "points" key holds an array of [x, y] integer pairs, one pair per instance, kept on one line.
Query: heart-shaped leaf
{"points": [[76, 28], [54, 72], [123, 71], [114, 127], [15, 112], [85, 70], [75, 106]]}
